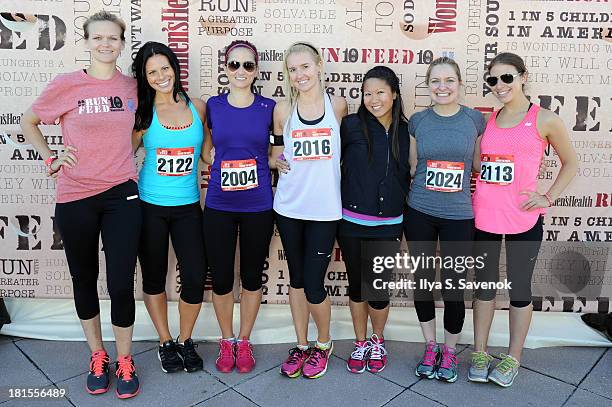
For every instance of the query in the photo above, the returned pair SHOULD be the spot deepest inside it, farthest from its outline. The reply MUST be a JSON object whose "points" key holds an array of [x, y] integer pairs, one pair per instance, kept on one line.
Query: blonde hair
{"points": [[308, 48], [103, 16], [443, 61]]}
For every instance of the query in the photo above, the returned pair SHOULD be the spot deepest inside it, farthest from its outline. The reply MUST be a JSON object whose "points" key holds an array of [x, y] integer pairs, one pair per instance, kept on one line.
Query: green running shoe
{"points": [[505, 371], [479, 367]]}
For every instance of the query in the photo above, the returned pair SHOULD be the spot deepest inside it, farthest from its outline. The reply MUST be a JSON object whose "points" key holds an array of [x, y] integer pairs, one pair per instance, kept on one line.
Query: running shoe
{"points": [[168, 356], [98, 379], [505, 371], [428, 364], [127, 381], [479, 367], [316, 364], [359, 357], [377, 359], [447, 370], [227, 359], [245, 361], [292, 367], [192, 362]]}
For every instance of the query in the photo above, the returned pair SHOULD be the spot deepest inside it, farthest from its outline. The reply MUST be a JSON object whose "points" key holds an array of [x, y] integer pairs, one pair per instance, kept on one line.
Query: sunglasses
{"points": [[248, 66], [506, 78]]}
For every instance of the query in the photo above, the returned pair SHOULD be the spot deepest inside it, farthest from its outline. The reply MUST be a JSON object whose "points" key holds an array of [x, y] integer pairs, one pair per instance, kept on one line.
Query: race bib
{"points": [[311, 144], [444, 176], [238, 175], [497, 169], [175, 162]]}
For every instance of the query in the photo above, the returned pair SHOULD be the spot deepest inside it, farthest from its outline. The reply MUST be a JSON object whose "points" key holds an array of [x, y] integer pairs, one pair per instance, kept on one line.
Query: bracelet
{"points": [[550, 202], [48, 163]]}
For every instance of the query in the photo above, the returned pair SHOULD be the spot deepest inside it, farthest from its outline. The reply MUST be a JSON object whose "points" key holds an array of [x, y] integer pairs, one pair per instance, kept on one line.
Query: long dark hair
{"points": [[397, 110], [146, 94]]}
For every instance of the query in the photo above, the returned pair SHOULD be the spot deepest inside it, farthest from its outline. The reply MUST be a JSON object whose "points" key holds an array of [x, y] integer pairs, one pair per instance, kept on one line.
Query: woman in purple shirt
{"points": [[239, 197]]}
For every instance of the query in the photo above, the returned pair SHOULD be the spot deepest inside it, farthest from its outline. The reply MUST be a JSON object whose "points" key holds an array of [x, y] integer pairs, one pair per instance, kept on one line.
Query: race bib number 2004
{"points": [[238, 175]]}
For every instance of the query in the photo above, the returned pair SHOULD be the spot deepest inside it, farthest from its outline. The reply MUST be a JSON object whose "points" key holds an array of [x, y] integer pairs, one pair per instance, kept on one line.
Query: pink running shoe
{"points": [[316, 364], [358, 359], [292, 367], [245, 361], [227, 359], [429, 364], [377, 359]]}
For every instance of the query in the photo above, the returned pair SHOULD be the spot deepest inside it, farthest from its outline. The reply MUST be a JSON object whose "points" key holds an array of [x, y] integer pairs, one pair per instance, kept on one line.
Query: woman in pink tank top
{"points": [[507, 204]]}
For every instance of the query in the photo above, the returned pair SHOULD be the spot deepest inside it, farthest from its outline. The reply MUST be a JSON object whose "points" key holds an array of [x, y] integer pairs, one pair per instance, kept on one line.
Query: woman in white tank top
{"points": [[307, 203]]}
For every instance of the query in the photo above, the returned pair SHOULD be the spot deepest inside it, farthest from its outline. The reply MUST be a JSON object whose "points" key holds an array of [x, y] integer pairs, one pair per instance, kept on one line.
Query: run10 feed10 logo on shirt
{"points": [[104, 104]]}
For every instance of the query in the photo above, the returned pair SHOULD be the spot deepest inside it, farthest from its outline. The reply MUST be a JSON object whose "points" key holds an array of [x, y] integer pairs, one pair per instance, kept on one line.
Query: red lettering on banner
{"points": [[602, 200], [176, 17], [445, 20]]}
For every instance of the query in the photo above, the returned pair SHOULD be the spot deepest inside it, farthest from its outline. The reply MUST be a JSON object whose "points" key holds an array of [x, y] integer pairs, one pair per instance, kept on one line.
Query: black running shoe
{"points": [[98, 377], [127, 381], [168, 355], [191, 360]]}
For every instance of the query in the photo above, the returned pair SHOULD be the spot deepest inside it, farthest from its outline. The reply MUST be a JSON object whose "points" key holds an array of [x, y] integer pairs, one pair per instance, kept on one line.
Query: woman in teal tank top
{"points": [[169, 124]]}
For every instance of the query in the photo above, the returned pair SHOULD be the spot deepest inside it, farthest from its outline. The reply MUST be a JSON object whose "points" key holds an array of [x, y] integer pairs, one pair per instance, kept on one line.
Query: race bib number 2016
{"points": [[444, 176], [311, 144], [497, 169], [175, 162], [238, 175]]}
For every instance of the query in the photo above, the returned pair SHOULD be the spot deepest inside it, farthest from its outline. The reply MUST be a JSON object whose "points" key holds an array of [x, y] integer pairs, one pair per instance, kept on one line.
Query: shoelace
{"points": [[168, 354], [98, 362], [315, 355], [226, 348], [429, 358], [189, 350], [449, 360], [244, 348], [360, 350], [125, 369], [506, 364], [295, 355], [378, 350], [480, 359]]}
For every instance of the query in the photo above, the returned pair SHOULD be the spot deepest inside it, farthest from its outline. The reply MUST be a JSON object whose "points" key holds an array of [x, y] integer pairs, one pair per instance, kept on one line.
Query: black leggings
{"points": [[115, 214], [308, 246], [221, 232], [183, 224], [422, 233], [359, 269], [521, 255]]}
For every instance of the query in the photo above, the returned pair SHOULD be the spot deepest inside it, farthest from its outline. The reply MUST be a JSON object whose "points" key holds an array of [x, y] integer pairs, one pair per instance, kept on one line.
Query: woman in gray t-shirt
{"points": [[442, 140]]}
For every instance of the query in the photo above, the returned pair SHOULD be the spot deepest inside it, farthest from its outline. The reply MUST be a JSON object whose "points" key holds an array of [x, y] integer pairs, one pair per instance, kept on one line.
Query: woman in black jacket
{"points": [[375, 181]]}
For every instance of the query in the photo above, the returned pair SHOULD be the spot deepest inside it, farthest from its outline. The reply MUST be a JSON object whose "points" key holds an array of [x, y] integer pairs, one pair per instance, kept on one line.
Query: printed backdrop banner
{"points": [[567, 46]]}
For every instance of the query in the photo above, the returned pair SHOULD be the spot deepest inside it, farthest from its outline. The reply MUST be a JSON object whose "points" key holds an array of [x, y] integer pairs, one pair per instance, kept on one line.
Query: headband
{"points": [[309, 46], [243, 45]]}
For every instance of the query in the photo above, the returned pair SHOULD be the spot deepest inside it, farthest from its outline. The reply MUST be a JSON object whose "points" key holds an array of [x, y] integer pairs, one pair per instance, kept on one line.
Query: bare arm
{"points": [[137, 139], [279, 117], [476, 159], [340, 107], [412, 156]]}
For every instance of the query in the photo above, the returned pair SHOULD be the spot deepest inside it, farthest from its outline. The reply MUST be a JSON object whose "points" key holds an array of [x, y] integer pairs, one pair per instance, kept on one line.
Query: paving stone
{"points": [[266, 356], [600, 379], [583, 398], [227, 398], [17, 371], [528, 389], [337, 388], [51, 356], [157, 388], [411, 399], [570, 364]]}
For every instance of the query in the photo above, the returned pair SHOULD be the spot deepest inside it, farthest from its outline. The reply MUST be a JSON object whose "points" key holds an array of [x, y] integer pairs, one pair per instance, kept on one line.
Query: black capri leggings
{"points": [[456, 240], [360, 270], [115, 214], [308, 246], [183, 224], [221, 232], [521, 255]]}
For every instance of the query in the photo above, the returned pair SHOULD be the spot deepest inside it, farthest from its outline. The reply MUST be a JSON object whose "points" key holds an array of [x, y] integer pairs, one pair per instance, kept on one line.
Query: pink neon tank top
{"points": [[510, 161]]}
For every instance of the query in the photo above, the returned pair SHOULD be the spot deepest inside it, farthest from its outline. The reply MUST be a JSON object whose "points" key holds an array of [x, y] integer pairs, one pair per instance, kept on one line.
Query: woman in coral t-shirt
{"points": [[96, 190]]}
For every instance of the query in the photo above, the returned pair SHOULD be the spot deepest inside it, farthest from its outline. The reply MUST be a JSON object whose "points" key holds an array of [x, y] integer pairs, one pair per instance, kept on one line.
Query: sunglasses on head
{"points": [[248, 66], [506, 78]]}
